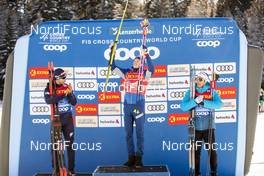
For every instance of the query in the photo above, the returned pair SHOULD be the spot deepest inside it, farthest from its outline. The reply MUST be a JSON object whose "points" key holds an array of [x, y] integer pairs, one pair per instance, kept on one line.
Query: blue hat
{"points": [[59, 74]]}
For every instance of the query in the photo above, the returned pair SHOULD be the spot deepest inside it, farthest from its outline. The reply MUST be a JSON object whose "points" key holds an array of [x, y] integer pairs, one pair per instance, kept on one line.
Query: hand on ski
{"points": [[144, 50], [68, 90], [199, 99]]}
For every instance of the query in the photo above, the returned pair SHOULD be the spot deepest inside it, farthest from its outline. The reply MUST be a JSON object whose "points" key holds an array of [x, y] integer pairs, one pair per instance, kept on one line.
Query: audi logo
{"points": [[88, 97], [202, 113], [214, 44], [85, 85], [159, 107], [156, 119], [40, 121], [104, 73], [40, 109], [63, 109], [222, 68], [175, 106], [225, 80], [124, 53], [179, 94], [60, 48]]}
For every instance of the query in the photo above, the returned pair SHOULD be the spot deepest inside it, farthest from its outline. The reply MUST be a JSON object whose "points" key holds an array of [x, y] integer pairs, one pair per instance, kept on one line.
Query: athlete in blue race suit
{"points": [[134, 105], [203, 104], [64, 99]]}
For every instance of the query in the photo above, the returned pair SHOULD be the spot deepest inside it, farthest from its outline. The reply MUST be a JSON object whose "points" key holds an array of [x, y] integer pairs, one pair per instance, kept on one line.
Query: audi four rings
{"points": [[40, 109], [225, 68], [85, 84], [159, 107], [178, 94]]}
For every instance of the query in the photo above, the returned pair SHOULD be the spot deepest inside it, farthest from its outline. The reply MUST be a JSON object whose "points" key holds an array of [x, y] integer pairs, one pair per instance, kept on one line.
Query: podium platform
{"points": [[49, 174], [131, 171]]}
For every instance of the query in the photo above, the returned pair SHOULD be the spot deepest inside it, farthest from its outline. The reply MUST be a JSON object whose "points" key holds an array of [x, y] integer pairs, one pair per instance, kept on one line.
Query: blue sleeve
{"points": [[51, 99], [186, 103], [150, 64], [118, 70], [72, 99], [216, 103]]}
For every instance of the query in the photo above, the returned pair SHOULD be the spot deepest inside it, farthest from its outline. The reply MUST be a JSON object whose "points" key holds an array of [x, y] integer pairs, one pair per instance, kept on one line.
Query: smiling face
{"points": [[136, 63], [200, 82]]}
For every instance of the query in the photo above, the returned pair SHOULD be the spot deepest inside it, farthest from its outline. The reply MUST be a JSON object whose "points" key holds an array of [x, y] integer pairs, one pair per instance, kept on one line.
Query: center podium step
{"points": [[131, 171]]}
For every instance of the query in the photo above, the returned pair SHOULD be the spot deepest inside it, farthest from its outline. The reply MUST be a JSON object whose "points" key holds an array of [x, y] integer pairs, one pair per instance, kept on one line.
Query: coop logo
{"points": [[178, 119], [225, 80], [202, 113], [156, 119], [156, 108], [208, 43], [64, 109], [59, 48], [125, 53], [175, 106], [86, 109], [225, 68], [41, 121], [86, 97]]}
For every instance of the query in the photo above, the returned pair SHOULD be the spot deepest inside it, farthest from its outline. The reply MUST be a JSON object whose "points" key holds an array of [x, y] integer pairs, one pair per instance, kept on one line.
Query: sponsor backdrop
{"points": [[81, 48]]}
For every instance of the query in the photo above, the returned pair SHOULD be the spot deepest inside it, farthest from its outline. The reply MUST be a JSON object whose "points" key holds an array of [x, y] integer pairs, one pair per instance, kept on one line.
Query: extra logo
{"points": [[160, 71], [86, 109], [39, 109], [38, 73], [59, 48], [208, 43], [156, 119], [41, 121], [86, 97], [156, 108], [227, 92], [125, 53], [109, 97], [225, 68], [178, 119]]}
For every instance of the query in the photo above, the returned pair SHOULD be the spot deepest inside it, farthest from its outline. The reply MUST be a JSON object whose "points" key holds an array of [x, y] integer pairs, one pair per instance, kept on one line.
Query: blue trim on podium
{"points": [[132, 171]]}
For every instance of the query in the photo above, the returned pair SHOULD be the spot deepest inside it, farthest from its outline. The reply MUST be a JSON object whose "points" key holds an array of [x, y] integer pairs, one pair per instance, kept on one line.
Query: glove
{"points": [[144, 50], [198, 99], [68, 90]]}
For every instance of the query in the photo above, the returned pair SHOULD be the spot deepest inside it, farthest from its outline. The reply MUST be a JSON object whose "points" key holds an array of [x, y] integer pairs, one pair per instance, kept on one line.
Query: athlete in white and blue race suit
{"points": [[204, 102]]}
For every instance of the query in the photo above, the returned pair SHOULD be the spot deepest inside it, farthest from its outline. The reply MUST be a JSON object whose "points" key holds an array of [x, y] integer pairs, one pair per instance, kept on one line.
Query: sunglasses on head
{"points": [[199, 79]]}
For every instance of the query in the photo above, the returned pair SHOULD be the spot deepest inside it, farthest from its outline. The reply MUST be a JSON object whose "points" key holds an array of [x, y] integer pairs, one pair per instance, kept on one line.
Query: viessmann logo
{"points": [[59, 48], [86, 121], [208, 43], [86, 109], [179, 70], [109, 109]]}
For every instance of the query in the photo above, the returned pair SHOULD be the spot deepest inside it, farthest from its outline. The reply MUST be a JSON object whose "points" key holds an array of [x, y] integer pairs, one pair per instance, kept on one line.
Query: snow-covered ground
{"points": [[257, 162]]}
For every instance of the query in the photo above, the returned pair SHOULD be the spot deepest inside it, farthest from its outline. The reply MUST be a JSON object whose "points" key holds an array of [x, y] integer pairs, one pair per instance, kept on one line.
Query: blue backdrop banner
{"points": [[82, 49]]}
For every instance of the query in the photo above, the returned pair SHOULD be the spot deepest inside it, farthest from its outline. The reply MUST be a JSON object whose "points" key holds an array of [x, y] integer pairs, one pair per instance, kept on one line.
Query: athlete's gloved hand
{"points": [[68, 90], [144, 50], [199, 99], [111, 47]]}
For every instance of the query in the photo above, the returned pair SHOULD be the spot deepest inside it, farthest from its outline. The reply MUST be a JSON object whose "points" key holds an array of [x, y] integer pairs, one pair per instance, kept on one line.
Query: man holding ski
{"points": [[204, 101], [64, 99], [134, 86]]}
